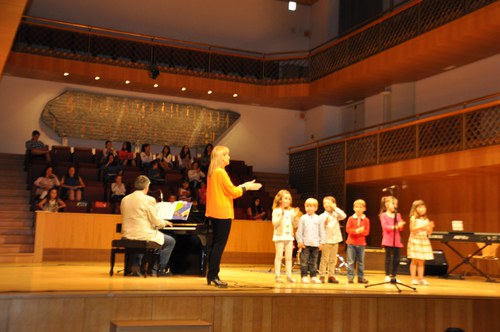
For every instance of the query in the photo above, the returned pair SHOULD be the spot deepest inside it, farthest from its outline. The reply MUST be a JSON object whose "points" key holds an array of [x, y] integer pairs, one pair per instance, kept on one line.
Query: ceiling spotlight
{"points": [[154, 72], [66, 74], [210, 92], [292, 6], [235, 95], [183, 88], [127, 82], [97, 78], [155, 85]]}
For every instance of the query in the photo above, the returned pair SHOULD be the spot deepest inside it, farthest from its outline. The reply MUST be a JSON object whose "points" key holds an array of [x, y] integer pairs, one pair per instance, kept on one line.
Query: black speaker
{"points": [[404, 265], [438, 266]]}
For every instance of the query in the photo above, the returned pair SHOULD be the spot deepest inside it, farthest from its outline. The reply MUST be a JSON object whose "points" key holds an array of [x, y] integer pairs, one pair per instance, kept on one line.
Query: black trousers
{"points": [[395, 252], [220, 229]]}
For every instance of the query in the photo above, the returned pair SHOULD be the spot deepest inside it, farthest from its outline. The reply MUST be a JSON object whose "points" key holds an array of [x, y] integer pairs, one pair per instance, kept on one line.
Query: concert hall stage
{"points": [[77, 296]]}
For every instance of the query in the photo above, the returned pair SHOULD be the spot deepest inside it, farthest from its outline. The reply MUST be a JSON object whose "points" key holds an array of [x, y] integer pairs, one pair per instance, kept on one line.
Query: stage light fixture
{"points": [[155, 72], [292, 6]]}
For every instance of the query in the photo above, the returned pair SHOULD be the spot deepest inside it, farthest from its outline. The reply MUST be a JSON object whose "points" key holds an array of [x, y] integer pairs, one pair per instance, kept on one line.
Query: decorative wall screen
{"points": [[478, 127], [84, 115]]}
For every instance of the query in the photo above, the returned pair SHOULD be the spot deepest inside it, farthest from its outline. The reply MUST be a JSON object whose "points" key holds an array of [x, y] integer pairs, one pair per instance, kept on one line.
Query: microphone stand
{"points": [[393, 280]]}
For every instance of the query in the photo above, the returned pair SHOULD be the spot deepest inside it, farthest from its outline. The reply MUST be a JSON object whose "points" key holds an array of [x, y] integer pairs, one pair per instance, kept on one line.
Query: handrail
{"points": [[418, 116]]}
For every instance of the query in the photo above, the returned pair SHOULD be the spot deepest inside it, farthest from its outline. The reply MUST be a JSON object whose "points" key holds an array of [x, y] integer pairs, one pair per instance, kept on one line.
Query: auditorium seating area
{"points": [[97, 193]]}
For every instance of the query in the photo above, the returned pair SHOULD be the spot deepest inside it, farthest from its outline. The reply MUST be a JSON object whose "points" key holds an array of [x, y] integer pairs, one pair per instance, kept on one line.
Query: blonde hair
{"points": [[279, 198], [383, 202], [360, 202], [217, 158], [414, 206], [311, 201], [330, 198]]}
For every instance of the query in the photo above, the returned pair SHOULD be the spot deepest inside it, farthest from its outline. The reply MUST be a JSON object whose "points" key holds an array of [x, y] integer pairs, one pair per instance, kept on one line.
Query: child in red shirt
{"points": [[357, 228]]}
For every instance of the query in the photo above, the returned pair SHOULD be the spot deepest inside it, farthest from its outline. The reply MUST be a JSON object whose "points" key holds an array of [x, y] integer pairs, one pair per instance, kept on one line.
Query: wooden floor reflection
{"points": [[248, 279]]}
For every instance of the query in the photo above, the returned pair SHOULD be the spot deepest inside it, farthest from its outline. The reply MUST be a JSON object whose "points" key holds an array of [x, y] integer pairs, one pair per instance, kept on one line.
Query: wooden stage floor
{"points": [[250, 279], [70, 296]]}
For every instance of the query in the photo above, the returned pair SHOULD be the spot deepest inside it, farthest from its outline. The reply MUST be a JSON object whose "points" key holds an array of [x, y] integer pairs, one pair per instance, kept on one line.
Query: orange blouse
{"points": [[220, 194]]}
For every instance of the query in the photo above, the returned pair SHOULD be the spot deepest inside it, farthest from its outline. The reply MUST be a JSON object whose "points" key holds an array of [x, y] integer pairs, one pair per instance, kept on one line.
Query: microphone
{"points": [[394, 186]]}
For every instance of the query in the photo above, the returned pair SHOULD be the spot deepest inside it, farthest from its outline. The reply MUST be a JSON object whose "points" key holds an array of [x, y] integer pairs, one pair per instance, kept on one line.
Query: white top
{"points": [[332, 226], [140, 218], [283, 222]]}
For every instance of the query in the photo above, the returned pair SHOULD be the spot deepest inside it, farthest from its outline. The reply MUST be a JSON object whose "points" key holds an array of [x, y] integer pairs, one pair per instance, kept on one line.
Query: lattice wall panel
{"points": [[397, 145], [361, 152], [331, 178], [303, 172], [482, 127], [440, 136]]}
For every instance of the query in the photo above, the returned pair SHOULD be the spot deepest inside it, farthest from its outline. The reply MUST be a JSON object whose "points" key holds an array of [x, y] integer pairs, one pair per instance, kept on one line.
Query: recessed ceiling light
{"points": [[235, 95], [156, 85], [127, 82], [66, 74], [183, 88], [292, 6], [97, 78], [209, 92]]}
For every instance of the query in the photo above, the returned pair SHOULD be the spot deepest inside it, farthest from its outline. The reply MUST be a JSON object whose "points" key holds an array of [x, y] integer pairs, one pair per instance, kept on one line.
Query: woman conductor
{"points": [[219, 210]]}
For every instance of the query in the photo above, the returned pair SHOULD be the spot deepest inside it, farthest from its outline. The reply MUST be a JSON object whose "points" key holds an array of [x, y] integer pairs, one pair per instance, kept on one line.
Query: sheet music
{"points": [[178, 210]]}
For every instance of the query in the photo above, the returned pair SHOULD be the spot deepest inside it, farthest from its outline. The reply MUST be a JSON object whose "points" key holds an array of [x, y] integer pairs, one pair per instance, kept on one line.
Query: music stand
{"points": [[393, 280]]}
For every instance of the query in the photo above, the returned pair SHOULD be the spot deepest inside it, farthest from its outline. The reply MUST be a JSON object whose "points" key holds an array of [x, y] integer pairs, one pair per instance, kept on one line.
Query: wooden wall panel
{"points": [[80, 236], [254, 312], [10, 16], [244, 314]]}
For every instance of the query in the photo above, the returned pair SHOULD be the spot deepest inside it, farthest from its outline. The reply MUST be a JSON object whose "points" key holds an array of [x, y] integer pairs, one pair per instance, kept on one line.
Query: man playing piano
{"points": [[141, 222]]}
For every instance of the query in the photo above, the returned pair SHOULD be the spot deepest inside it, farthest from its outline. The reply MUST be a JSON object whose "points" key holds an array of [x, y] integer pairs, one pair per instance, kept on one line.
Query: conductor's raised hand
{"points": [[252, 185]]}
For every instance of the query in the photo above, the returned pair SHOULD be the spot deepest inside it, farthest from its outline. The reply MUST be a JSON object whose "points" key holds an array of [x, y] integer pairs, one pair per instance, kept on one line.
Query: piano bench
{"points": [[129, 247]]}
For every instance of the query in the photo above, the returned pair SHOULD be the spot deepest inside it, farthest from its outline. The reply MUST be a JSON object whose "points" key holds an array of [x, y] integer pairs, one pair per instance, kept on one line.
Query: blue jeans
{"points": [[355, 253], [309, 261], [165, 253]]}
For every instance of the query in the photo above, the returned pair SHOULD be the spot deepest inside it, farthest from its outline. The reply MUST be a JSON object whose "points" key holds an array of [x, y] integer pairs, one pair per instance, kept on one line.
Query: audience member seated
{"points": [[72, 185], [205, 157], [165, 158], [185, 158], [147, 156], [46, 182], [118, 191], [195, 176], [184, 192], [111, 168], [126, 156], [154, 173], [202, 195], [256, 211], [172, 198], [35, 147], [52, 203], [108, 150]]}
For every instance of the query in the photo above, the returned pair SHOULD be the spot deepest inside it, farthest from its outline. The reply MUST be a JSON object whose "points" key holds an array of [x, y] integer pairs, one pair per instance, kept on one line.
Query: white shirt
{"points": [[140, 218]]}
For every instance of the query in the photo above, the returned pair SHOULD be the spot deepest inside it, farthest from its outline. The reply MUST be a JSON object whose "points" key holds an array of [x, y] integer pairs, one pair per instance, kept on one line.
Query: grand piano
{"points": [[190, 252], [485, 238]]}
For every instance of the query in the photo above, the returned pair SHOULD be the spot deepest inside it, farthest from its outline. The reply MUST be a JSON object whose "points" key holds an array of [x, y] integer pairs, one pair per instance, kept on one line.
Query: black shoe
{"points": [[362, 281], [217, 282], [164, 274], [332, 280], [135, 271]]}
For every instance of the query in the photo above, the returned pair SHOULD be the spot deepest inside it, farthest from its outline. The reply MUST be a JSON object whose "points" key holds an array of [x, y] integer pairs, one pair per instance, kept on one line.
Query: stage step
{"points": [[16, 219], [16, 239], [13, 249], [274, 182], [160, 325]]}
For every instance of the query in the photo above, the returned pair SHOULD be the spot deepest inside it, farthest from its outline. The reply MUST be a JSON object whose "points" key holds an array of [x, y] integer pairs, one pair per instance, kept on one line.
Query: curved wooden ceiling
{"points": [[463, 41]]}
